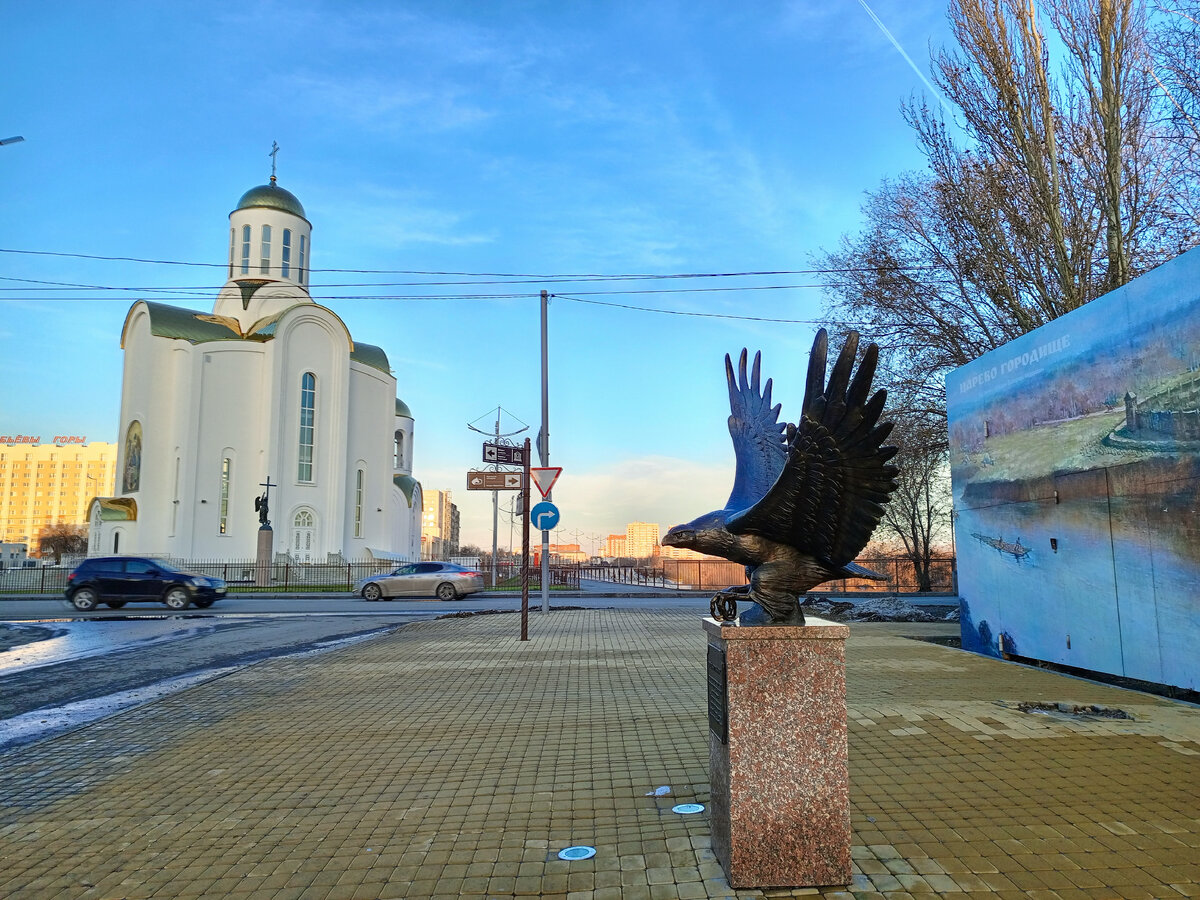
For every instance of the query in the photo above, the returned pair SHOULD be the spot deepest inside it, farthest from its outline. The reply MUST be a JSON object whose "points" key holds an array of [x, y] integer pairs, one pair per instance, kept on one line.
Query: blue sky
{"points": [[506, 137]]}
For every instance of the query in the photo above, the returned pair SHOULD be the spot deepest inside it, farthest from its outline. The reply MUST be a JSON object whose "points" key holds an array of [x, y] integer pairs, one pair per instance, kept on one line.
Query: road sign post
{"points": [[524, 497]]}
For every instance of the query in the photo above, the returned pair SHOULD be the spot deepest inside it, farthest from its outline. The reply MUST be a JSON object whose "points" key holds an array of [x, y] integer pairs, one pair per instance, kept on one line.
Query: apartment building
{"points": [[614, 546], [641, 539], [439, 526], [51, 484]]}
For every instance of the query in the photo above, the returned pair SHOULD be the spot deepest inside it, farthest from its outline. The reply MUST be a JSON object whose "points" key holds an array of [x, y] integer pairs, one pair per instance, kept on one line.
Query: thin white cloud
{"points": [[385, 217]]}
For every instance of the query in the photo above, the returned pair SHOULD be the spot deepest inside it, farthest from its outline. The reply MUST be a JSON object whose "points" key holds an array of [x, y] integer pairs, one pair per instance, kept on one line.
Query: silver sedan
{"points": [[446, 581]]}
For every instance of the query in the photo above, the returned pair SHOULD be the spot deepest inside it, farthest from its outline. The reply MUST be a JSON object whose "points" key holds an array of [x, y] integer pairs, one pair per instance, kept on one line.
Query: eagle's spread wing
{"points": [[758, 442], [829, 496]]}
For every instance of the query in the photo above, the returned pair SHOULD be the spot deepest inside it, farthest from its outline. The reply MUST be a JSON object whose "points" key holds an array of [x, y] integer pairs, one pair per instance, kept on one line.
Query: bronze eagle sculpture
{"points": [[806, 497]]}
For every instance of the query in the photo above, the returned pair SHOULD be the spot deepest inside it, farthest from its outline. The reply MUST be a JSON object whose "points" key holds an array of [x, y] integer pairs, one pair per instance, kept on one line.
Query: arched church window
{"points": [[359, 478], [226, 473], [300, 276], [287, 253], [398, 461], [245, 249], [232, 240], [265, 261], [308, 408]]}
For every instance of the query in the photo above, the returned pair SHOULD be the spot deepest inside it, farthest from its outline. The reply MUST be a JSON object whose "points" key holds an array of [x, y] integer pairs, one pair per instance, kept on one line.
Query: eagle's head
{"points": [[707, 534]]}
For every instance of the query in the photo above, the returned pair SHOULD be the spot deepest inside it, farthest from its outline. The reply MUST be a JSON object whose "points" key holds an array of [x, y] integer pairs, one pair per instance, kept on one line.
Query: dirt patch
{"points": [[1078, 712]]}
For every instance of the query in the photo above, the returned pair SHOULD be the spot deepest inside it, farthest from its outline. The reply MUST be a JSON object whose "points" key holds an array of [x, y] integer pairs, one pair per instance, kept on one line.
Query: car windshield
{"points": [[166, 566]]}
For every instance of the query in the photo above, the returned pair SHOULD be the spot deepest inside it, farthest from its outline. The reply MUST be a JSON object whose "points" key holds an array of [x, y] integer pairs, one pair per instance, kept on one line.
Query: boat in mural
{"points": [[1016, 550]]}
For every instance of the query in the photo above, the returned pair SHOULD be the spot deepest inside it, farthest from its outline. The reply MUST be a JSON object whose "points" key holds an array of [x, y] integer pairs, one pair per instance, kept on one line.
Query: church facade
{"points": [[268, 388]]}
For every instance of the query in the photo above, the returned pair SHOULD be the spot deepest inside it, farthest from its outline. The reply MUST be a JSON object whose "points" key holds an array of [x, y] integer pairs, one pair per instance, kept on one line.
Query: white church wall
{"points": [[372, 395], [148, 399], [229, 413], [313, 341]]}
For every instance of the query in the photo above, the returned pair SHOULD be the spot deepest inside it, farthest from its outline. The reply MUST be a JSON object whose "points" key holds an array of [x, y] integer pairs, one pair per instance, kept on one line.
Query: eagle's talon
{"points": [[723, 607]]}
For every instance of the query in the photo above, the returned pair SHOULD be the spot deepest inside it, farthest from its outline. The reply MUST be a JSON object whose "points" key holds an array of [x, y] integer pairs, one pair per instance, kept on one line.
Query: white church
{"points": [[268, 386]]}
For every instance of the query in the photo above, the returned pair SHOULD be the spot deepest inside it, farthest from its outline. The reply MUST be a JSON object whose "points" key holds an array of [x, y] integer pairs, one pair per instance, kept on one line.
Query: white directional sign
{"points": [[494, 481], [544, 478]]}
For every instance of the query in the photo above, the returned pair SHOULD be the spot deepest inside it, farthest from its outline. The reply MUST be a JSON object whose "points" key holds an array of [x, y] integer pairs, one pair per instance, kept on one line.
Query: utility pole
{"points": [[544, 449], [495, 509]]}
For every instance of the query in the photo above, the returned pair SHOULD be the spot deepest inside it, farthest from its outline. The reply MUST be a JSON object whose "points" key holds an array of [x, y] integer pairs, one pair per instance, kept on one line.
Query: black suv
{"points": [[116, 580]]}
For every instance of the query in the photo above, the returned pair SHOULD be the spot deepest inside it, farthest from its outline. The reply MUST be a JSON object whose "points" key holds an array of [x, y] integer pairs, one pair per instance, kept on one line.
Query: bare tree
{"points": [[1051, 187], [1176, 47], [919, 510], [61, 538]]}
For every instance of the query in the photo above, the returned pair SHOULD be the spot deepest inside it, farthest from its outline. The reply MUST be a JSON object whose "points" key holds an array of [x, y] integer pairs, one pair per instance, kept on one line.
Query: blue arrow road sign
{"points": [[544, 515]]}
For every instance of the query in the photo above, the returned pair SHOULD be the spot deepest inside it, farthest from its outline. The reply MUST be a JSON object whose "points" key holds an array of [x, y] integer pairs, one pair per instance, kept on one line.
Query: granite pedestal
{"points": [[780, 806], [262, 567]]}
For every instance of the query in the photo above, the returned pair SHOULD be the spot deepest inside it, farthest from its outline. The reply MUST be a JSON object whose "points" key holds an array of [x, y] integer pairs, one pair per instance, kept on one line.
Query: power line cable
{"points": [[541, 277], [676, 312]]}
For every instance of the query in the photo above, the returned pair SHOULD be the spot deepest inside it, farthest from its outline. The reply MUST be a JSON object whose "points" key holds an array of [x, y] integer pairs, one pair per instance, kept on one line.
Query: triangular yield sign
{"points": [[545, 478]]}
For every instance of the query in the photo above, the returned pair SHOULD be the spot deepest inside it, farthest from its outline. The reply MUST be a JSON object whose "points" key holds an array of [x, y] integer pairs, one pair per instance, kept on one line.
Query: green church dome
{"points": [[402, 409], [271, 196]]}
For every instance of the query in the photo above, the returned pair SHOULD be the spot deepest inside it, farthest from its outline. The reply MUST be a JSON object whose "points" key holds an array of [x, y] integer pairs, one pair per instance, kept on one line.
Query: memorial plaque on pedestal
{"points": [[718, 701]]}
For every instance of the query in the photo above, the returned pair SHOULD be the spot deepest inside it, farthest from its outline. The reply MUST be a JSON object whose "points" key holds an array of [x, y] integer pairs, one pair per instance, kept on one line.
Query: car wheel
{"points": [[446, 591], [177, 598], [84, 599], [372, 592], [115, 604]]}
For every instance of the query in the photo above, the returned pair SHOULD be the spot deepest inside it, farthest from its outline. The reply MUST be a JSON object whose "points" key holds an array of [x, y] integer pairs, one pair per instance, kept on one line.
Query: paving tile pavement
{"points": [[448, 759]]}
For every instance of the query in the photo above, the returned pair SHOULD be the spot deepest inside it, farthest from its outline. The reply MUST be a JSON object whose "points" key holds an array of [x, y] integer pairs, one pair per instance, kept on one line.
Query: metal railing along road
{"points": [[718, 574]]}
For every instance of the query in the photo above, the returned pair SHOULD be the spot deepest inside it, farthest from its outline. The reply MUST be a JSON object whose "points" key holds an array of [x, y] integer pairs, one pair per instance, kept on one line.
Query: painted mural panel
{"points": [[1075, 457]]}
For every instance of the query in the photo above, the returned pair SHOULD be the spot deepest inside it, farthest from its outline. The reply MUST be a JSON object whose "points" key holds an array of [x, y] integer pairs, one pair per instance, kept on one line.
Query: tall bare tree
{"points": [[918, 512], [1051, 186]]}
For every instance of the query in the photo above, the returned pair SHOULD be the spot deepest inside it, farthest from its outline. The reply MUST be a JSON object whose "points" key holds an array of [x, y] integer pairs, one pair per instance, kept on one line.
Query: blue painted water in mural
{"points": [[1113, 595]]}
